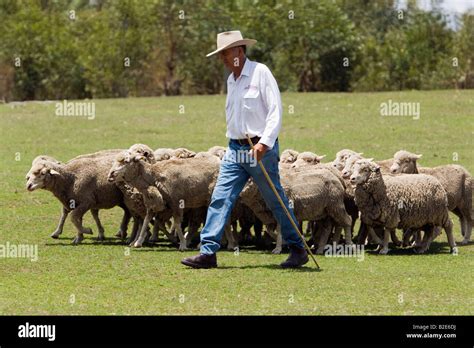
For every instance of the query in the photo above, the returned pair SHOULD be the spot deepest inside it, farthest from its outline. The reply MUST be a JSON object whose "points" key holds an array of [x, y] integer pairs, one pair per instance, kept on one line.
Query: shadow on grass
{"points": [[310, 269], [435, 248], [167, 247]]}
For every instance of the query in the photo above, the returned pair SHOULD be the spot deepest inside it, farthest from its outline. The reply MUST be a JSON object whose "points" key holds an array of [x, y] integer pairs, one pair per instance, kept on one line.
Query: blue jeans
{"points": [[233, 175]]}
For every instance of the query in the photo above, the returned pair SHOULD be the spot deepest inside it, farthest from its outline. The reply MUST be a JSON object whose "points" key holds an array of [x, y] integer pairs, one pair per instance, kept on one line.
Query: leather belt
{"points": [[254, 140]]}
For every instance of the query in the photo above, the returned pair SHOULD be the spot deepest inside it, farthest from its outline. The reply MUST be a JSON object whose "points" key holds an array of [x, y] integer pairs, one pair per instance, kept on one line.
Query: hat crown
{"points": [[228, 37]]}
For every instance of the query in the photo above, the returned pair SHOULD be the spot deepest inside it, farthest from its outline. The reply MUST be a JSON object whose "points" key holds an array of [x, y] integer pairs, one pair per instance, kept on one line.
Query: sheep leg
{"points": [[362, 235], [62, 220], [279, 241], [76, 218], [179, 231], [466, 229], [326, 230], [448, 228], [231, 243], [374, 236], [155, 231], [337, 234], [144, 230], [122, 232], [395, 240], [348, 235], [95, 215], [418, 238], [274, 234], [386, 238], [136, 227], [407, 235], [168, 235], [425, 242]]}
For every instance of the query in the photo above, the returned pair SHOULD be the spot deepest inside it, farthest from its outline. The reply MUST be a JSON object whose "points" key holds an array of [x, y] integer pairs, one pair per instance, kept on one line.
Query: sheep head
{"points": [[289, 156], [183, 153], [42, 173], [362, 170], [307, 158], [163, 154], [125, 166], [144, 150], [350, 161], [218, 151], [341, 158], [404, 162]]}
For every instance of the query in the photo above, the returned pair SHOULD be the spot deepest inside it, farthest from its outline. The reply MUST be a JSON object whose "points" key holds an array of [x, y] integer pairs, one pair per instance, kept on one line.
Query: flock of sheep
{"points": [[169, 190]]}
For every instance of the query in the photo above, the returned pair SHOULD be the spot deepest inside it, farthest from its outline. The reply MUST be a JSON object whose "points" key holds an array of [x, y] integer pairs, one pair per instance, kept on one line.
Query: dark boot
{"points": [[201, 261], [298, 257]]}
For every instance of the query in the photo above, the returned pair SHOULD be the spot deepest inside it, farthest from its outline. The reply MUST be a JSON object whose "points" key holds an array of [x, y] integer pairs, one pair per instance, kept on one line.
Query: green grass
{"points": [[104, 280]]}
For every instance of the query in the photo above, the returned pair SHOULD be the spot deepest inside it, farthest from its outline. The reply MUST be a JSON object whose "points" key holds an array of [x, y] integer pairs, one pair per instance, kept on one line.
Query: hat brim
{"points": [[246, 42]]}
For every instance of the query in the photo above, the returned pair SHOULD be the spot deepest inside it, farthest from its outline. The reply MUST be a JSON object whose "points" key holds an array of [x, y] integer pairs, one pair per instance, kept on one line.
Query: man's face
{"points": [[231, 57]]}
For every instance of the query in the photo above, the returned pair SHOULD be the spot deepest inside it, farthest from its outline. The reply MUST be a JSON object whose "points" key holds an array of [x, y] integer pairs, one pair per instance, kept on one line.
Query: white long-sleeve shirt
{"points": [[253, 104]]}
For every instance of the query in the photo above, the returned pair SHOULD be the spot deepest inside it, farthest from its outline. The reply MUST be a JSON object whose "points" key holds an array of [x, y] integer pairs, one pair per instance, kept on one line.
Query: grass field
{"points": [[102, 278]]}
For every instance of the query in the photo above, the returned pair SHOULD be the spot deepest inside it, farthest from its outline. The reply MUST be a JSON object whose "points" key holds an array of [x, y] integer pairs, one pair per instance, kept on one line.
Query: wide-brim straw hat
{"points": [[230, 39]]}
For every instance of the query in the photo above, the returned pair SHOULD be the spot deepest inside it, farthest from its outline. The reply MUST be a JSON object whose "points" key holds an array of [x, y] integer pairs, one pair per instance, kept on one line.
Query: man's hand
{"points": [[259, 151]]}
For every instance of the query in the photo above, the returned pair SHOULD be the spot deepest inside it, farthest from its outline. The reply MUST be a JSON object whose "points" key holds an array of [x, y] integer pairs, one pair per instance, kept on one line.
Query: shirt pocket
{"points": [[250, 101]]}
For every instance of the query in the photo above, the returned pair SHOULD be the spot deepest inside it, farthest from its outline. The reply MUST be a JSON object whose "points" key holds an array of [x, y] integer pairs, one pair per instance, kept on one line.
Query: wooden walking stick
{"points": [[295, 226]]}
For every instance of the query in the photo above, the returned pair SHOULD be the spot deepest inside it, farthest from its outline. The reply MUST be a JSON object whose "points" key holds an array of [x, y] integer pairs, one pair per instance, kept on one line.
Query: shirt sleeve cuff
{"points": [[266, 140]]}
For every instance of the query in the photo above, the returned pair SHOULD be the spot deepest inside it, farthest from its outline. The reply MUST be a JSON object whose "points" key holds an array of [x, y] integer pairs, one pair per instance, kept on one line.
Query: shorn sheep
{"points": [[174, 184], [80, 185], [455, 179], [400, 201], [342, 156]]}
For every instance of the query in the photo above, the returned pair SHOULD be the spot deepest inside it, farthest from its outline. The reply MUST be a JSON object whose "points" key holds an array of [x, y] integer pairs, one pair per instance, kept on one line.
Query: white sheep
{"points": [[400, 201], [175, 184], [80, 185], [455, 179]]}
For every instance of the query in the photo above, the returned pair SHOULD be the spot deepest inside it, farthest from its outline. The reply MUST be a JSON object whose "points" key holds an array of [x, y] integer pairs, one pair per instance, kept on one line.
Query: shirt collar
{"points": [[245, 70]]}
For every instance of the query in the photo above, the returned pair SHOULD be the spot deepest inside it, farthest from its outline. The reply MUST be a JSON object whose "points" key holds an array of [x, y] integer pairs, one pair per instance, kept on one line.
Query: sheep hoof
{"points": [[137, 245], [55, 235], [153, 240], [78, 239], [383, 251], [121, 234], [100, 238], [182, 247], [276, 251], [464, 242], [87, 231]]}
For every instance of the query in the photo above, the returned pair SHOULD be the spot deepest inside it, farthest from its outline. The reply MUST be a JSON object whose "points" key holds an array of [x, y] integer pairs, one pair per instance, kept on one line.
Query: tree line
{"points": [[74, 49]]}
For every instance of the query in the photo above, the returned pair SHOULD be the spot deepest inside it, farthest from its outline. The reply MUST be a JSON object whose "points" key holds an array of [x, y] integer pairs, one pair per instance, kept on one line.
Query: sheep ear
{"points": [[360, 153], [53, 172], [418, 156], [319, 158], [370, 159]]}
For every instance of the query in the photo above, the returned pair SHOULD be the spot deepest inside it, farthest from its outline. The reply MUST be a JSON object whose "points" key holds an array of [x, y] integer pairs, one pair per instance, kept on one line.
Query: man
{"points": [[253, 107]]}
